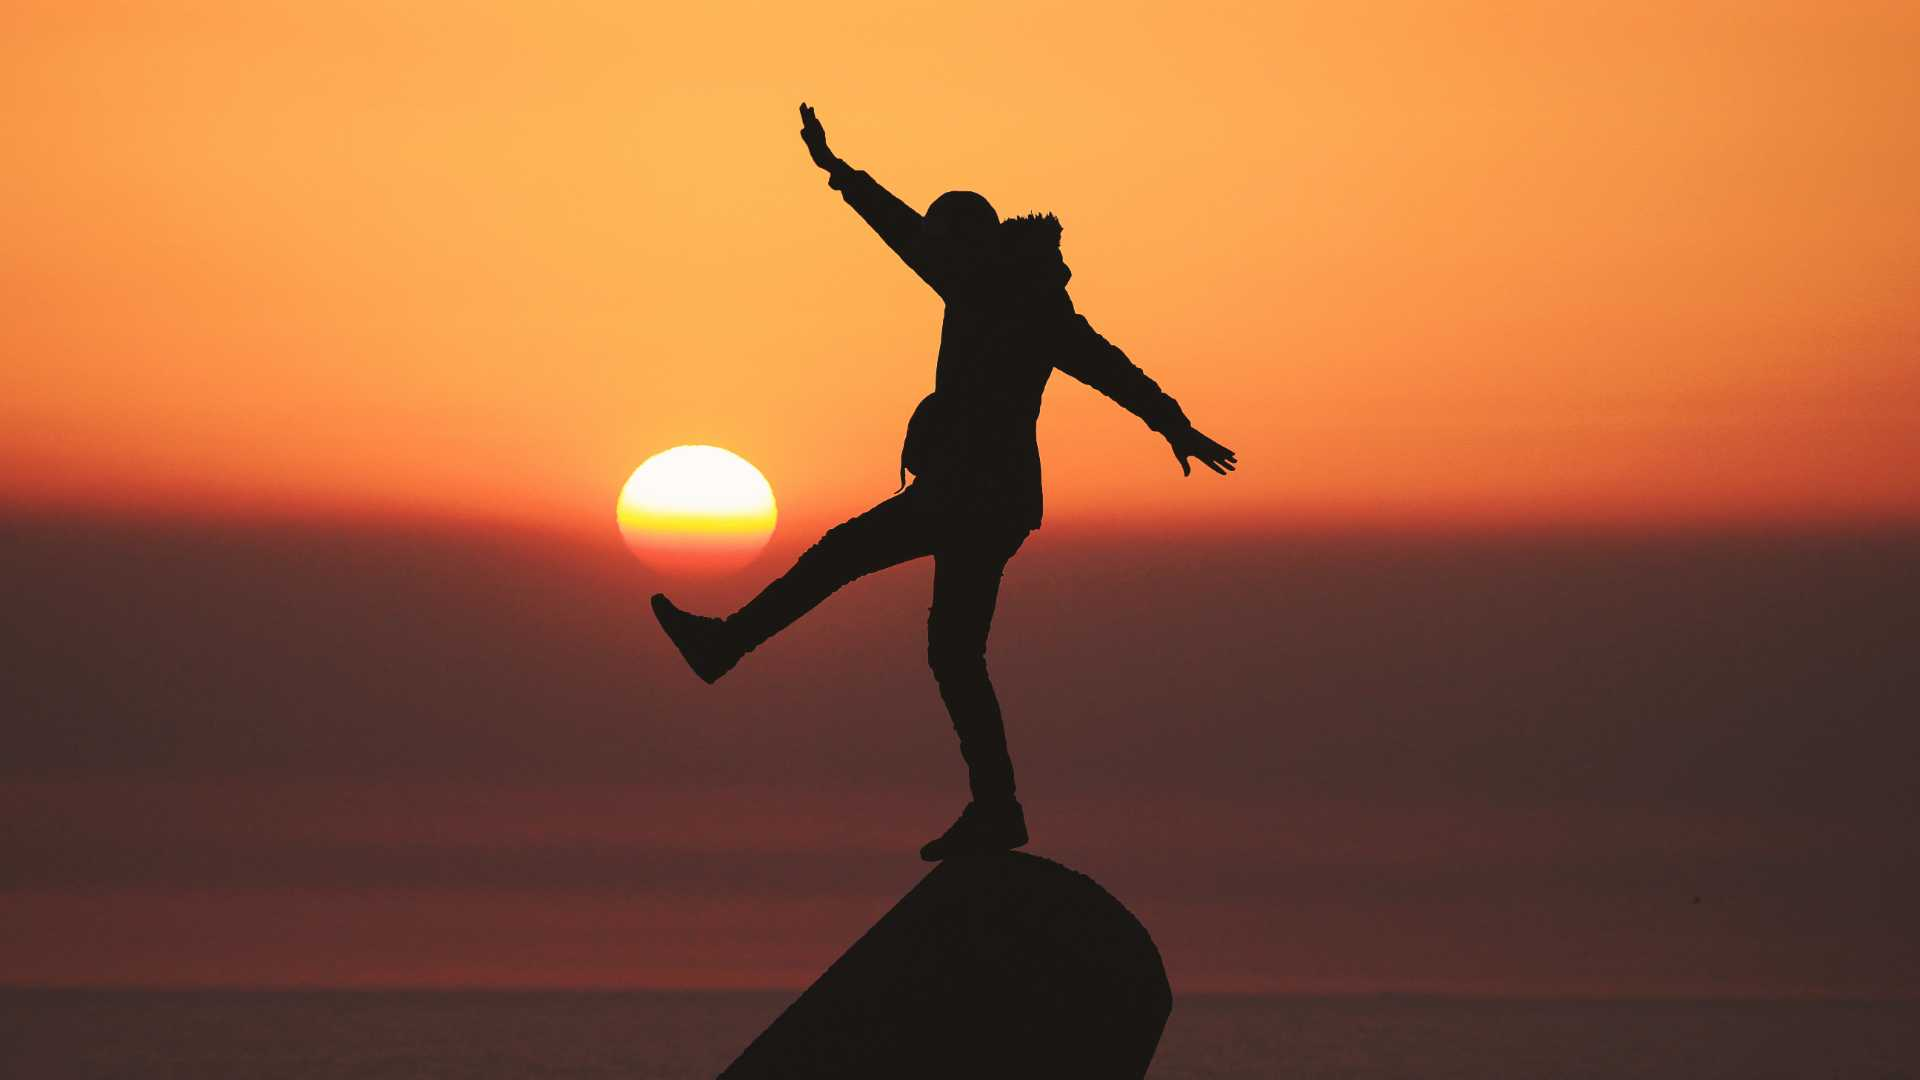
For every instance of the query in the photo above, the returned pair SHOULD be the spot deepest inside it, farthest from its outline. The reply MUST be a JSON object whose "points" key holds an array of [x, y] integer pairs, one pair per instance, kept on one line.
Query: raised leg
{"points": [[889, 534]]}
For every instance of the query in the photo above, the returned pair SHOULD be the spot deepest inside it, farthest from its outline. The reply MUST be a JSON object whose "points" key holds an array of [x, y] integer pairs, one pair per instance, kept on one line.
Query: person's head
{"points": [[962, 231]]}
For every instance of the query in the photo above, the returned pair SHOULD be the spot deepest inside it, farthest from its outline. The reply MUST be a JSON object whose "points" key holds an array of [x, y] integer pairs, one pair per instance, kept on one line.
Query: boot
{"points": [[704, 642], [984, 828]]}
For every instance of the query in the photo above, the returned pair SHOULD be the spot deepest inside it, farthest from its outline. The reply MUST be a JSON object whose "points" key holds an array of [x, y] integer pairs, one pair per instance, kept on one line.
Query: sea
{"points": [[652, 1035]]}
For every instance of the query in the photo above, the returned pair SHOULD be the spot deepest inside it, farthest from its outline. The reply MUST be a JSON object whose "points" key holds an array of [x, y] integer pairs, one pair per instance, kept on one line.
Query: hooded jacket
{"points": [[971, 444]]}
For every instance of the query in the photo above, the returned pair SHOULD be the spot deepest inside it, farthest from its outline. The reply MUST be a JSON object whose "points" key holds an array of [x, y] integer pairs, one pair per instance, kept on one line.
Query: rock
{"points": [[992, 967]]}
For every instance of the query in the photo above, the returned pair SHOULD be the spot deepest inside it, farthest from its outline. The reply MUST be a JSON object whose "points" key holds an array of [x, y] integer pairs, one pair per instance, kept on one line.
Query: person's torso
{"points": [[974, 437]]}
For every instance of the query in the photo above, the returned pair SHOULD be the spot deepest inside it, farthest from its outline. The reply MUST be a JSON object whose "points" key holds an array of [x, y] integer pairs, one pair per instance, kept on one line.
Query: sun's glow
{"points": [[696, 509]]}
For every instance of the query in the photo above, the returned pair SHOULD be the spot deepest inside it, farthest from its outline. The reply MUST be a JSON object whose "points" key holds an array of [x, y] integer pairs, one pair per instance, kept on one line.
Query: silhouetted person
{"points": [[975, 462]]}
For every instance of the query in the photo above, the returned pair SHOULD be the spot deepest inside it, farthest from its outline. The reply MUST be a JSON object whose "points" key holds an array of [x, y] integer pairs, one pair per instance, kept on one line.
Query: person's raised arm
{"points": [[897, 223], [1085, 355]]}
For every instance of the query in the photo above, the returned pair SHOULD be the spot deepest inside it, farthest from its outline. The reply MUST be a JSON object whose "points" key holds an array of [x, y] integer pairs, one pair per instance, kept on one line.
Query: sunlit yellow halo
{"points": [[696, 508]]}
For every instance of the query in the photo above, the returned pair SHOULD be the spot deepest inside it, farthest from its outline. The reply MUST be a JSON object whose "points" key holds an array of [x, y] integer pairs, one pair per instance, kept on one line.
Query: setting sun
{"points": [[696, 509]]}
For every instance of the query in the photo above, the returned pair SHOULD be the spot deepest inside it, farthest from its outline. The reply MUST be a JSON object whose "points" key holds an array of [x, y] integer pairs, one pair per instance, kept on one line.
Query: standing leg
{"points": [[966, 587]]}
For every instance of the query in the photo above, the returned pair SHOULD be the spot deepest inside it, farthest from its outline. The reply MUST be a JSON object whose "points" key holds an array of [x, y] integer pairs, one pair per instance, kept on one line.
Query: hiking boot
{"points": [[704, 642], [983, 829]]}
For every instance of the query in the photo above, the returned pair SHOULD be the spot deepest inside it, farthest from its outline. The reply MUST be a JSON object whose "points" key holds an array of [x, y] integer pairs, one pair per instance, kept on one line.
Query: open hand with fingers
{"points": [[1188, 443], [815, 137]]}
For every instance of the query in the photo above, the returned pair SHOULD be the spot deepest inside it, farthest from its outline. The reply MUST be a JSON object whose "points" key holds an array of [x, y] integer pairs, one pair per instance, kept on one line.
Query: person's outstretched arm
{"points": [[897, 223], [1099, 363]]}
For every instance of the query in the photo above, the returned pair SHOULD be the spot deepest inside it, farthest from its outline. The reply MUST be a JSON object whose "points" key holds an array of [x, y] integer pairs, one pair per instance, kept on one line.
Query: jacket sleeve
{"points": [[1085, 355], [897, 223]]}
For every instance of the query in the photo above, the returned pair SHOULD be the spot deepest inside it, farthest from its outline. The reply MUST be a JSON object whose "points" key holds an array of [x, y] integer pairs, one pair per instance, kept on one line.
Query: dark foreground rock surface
{"points": [[996, 966]]}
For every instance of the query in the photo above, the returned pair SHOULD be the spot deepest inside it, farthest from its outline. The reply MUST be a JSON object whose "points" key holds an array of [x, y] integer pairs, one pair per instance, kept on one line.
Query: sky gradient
{"points": [[1429, 262], [1569, 352]]}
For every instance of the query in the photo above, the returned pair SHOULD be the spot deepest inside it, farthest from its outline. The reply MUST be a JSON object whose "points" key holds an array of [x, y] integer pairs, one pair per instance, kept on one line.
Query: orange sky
{"points": [[1428, 263]]}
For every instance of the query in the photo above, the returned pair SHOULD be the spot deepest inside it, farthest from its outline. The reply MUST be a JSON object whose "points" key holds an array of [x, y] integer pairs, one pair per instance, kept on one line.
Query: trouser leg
{"points": [[890, 533], [966, 586]]}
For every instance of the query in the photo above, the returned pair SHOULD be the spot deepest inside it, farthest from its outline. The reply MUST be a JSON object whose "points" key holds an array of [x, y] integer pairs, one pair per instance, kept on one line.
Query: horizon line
{"points": [[385, 517], [1568, 996]]}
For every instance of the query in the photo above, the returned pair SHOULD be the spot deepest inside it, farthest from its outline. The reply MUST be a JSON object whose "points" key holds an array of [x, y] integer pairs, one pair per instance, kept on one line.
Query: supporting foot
{"points": [[984, 828]]}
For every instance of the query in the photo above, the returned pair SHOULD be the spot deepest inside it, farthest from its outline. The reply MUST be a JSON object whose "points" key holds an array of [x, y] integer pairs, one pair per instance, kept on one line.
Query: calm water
{"points": [[678, 1036]]}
